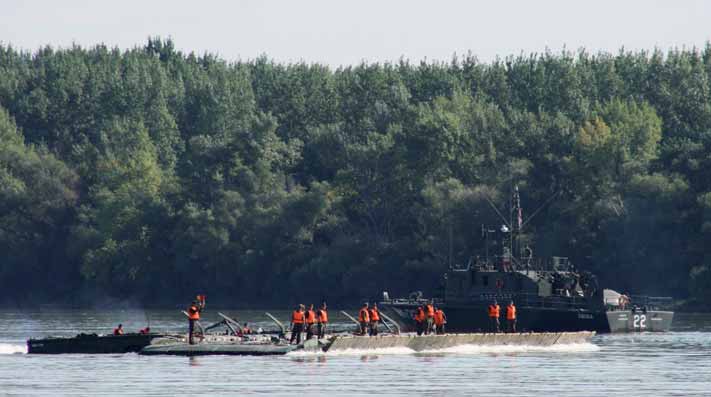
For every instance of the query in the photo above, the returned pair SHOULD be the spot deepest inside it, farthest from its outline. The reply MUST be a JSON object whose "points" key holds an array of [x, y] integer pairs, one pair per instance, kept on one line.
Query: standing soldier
{"points": [[439, 319], [364, 319], [511, 317], [194, 316], [494, 312], [310, 320], [528, 255], [420, 320], [374, 319], [322, 320], [429, 312], [297, 324]]}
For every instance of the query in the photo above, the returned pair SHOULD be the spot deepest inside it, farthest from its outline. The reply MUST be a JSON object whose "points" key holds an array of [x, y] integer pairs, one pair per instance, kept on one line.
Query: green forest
{"points": [[151, 174]]}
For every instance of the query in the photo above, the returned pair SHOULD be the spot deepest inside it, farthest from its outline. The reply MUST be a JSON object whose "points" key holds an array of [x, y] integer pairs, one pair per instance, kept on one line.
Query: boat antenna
{"points": [[539, 209], [503, 219]]}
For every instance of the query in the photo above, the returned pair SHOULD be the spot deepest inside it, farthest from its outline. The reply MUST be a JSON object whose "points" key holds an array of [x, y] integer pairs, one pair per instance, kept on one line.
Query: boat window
{"points": [[485, 280]]}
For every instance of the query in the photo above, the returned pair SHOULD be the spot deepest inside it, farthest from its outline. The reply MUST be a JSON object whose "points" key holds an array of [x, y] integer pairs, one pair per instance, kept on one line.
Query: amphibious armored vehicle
{"points": [[91, 344]]}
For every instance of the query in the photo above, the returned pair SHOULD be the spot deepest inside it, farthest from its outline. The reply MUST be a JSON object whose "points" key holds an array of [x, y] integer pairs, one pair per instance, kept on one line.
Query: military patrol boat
{"points": [[550, 295]]}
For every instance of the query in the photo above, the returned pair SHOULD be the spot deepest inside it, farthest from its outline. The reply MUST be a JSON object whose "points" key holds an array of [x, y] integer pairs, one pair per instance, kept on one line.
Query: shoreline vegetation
{"points": [[149, 174]]}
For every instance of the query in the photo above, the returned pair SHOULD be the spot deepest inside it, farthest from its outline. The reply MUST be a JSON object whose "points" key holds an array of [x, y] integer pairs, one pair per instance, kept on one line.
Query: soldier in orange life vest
{"points": [[420, 320], [145, 331], [494, 313], [118, 330], [297, 324], [321, 320], [374, 319], [439, 319], [194, 316], [364, 319], [429, 313], [511, 317], [310, 321]]}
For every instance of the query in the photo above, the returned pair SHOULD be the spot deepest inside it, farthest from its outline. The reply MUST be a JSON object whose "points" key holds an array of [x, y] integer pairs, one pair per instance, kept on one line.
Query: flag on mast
{"points": [[520, 218], [519, 211]]}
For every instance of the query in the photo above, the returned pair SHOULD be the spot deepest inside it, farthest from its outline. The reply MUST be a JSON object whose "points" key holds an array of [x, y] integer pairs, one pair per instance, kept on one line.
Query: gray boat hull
{"points": [[438, 342], [206, 349], [639, 321]]}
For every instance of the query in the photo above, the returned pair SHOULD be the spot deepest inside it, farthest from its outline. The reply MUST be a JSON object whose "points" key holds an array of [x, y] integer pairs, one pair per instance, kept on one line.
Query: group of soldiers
{"points": [[303, 320], [369, 318], [495, 313], [429, 319]]}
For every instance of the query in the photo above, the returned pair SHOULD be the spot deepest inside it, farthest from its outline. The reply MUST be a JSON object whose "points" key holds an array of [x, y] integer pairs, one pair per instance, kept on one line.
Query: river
{"points": [[676, 363]]}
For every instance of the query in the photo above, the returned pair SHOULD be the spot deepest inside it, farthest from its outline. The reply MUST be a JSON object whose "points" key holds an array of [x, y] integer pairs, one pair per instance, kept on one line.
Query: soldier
{"points": [[420, 320], [297, 324], [511, 317], [364, 319], [528, 255], [439, 319], [374, 319], [429, 315], [194, 317], [322, 320], [310, 320], [494, 312]]}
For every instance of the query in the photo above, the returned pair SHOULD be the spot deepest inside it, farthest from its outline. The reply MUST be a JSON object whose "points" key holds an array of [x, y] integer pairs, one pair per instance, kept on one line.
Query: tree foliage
{"points": [[151, 173]]}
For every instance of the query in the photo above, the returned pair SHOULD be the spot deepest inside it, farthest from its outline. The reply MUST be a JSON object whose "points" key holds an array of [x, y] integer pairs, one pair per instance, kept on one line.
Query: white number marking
{"points": [[640, 321]]}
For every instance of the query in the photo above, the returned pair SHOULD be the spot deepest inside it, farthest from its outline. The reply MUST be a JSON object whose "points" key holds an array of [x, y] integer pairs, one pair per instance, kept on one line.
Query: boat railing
{"points": [[652, 302], [510, 263], [409, 301], [526, 300]]}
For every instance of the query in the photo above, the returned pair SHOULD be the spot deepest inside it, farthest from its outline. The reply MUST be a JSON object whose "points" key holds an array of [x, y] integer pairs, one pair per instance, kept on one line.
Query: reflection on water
{"points": [[194, 361], [674, 363]]}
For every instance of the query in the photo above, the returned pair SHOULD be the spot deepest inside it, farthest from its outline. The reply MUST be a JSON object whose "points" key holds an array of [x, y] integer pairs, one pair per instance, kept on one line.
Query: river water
{"points": [[676, 363]]}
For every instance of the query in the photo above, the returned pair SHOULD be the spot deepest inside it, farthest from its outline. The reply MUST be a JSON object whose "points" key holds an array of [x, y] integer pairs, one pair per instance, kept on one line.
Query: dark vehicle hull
{"points": [[470, 318], [91, 344]]}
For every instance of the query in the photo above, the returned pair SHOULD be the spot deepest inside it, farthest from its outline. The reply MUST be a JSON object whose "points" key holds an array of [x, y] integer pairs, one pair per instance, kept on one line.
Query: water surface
{"points": [[675, 363]]}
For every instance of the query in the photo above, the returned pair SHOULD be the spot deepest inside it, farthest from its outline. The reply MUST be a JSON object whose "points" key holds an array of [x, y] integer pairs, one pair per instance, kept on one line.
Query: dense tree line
{"points": [[151, 174]]}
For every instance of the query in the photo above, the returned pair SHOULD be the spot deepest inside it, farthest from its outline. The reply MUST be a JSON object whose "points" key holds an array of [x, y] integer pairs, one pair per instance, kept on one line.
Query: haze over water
{"points": [[674, 363]]}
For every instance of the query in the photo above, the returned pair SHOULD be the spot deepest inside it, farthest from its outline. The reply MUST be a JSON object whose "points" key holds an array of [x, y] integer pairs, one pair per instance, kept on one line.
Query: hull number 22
{"points": [[640, 321]]}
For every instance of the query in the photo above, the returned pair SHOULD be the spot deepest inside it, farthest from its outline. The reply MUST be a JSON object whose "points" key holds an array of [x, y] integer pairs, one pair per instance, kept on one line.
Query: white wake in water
{"points": [[463, 350], [507, 349], [353, 352], [10, 348]]}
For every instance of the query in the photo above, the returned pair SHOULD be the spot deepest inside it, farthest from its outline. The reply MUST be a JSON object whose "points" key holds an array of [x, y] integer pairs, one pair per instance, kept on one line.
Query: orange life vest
{"points": [[193, 312], [439, 317], [310, 317], [297, 317], [420, 315], [494, 311], [510, 312], [363, 316], [374, 315], [322, 316], [118, 331], [430, 311]]}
